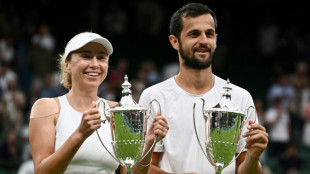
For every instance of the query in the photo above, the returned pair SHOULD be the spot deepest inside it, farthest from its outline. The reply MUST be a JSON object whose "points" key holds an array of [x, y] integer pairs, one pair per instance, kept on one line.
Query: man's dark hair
{"points": [[188, 10]]}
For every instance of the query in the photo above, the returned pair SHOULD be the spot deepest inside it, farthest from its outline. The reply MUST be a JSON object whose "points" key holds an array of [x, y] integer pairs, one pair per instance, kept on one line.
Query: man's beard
{"points": [[194, 62]]}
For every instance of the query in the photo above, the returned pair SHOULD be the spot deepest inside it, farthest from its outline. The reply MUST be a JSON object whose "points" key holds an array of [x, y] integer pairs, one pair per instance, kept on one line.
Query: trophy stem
{"points": [[219, 168]]}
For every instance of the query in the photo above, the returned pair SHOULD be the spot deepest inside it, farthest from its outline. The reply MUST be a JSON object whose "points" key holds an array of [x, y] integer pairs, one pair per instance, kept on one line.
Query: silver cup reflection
{"points": [[128, 128], [223, 125]]}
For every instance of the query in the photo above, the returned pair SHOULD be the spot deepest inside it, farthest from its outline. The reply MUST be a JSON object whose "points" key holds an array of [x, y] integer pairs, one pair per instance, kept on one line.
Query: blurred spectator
{"points": [[7, 52], [139, 84], [48, 90], [286, 92], [26, 167], [304, 96], [152, 75], [266, 170], [301, 70], [305, 111], [282, 88], [26, 150], [146, 76], [42, 58], [6, 75], [306, 127], [116, 79], [268, 37], [169, 70], [22, 67], [275, 72], [260, 110], [300, 79], [108, 91], [44, 38], [12, 106], [34, 93], [291, 162], [9, 153], [117, 75], [278, 126]]}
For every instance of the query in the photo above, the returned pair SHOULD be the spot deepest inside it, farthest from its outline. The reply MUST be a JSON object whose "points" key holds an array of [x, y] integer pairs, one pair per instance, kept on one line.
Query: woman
{"points": [[61, 130]]}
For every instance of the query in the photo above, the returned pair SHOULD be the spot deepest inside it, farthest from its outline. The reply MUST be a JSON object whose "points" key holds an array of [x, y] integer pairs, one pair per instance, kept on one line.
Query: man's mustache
{"points": [[203, 47]]}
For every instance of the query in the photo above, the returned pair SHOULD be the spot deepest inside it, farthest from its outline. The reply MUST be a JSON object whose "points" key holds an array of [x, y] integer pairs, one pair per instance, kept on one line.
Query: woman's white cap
{"points": [[84, 38]]}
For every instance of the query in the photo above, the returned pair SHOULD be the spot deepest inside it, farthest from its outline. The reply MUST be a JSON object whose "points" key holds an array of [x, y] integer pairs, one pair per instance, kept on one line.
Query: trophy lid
{"points": [[127, 103], [225, 104]]}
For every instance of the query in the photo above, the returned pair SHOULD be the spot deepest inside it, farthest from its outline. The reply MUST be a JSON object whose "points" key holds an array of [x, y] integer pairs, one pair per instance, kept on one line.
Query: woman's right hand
{"points": [[91, 120]]}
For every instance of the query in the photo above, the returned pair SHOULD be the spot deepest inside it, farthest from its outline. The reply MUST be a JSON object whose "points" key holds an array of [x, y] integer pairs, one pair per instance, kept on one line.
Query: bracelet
{"points": [[145, 165]]}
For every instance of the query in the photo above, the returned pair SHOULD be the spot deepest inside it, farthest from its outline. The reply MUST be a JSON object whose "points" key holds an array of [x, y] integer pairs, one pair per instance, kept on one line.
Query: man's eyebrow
{"points": [[196, 30], [193, 30], [211, 30]]}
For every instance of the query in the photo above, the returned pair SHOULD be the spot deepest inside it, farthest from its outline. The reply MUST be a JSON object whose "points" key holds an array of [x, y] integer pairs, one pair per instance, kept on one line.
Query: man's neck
{"points": [[195, 81]]}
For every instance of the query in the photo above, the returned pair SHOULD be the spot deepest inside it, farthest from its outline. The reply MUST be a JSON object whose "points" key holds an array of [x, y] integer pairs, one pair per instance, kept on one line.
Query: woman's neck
{"points": [[80, 99]]}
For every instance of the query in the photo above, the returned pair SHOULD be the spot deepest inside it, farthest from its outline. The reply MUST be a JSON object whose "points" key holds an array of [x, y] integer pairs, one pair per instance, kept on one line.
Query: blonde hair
{"points": [[65, 77]]}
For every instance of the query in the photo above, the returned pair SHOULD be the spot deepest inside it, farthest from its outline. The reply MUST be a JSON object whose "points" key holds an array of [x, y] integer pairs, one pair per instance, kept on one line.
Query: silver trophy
{"points": [[128, 128], [223, 125]]}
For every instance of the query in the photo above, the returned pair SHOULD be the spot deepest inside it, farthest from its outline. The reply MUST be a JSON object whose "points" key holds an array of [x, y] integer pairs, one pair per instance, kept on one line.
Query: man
{"points": [[193, 36]]}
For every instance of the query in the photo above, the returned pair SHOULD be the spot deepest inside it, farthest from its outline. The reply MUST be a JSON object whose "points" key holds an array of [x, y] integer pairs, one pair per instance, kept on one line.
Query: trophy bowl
{"points": [[128, 129], [223, 130], [128, 135], [223, 125]]}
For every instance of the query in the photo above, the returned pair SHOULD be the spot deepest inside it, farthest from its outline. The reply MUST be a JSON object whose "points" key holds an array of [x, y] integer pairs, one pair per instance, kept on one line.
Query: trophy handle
{"points": [[194, 118], [148, 114], [245, 119], [107, 115], [247, 112]]}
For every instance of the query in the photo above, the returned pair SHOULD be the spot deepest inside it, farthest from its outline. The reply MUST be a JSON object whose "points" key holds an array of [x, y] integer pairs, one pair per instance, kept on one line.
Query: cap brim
{"points": [[104, 42], [82, 39]]}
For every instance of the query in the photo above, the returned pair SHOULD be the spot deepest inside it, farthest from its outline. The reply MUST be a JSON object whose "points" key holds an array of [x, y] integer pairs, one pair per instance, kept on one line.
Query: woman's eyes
{"points": [[86, 56], [99, 57]]}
